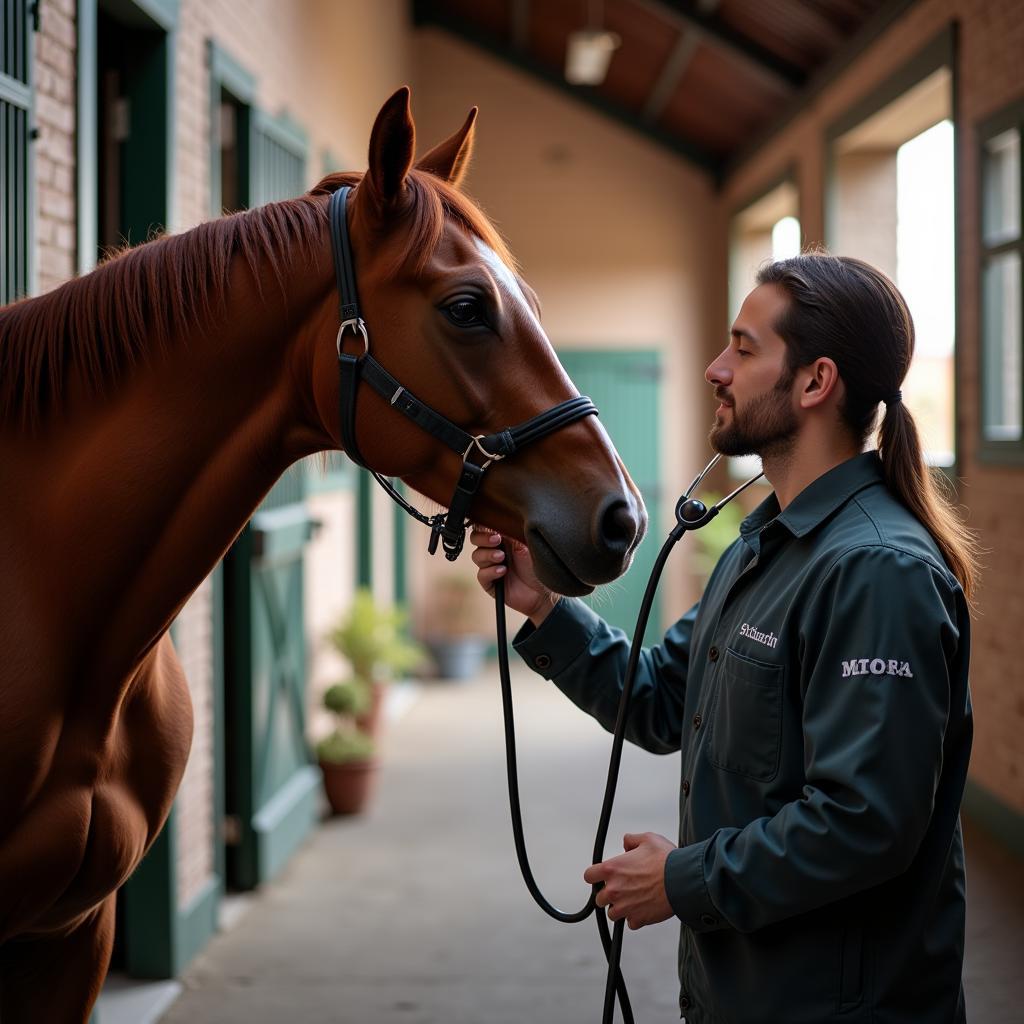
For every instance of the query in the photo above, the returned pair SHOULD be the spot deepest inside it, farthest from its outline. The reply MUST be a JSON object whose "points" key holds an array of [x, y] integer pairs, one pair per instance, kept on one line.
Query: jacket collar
{"points": [[819, 499]]}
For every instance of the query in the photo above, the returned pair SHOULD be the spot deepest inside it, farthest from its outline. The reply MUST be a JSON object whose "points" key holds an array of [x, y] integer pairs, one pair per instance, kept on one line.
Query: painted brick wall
{"points": [[54, 148], [991, 76]]}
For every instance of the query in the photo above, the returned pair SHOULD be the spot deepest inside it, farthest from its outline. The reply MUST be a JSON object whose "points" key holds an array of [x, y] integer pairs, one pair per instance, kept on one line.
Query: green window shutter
{"points": [[277, 170], [279, 148], [15, 137]]}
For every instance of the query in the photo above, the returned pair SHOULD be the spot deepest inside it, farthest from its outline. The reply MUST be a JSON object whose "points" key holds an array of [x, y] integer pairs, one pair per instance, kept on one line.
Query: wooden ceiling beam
{"points": [[431, 12], [670, 76], [520, 24], [716, 33]]}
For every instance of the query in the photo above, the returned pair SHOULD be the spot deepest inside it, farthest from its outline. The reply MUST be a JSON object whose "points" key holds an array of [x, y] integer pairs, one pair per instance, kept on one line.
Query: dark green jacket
{"points": [[818, 695]]}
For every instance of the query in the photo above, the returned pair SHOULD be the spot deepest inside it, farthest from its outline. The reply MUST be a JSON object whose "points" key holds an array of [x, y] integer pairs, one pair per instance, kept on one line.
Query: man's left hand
{"points": [[634, 882]]}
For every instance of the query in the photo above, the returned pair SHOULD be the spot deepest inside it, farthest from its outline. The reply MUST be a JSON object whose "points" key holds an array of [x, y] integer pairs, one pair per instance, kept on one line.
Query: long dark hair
{"points": [[847, 310]]}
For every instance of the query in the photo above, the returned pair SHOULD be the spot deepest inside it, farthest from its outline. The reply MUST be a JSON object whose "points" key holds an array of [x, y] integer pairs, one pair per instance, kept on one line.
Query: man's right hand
{"points": [[523, 591]]}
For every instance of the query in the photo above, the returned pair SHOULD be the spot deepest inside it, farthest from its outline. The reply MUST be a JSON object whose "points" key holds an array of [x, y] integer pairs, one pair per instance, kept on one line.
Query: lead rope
{"points": [[691, 514]]}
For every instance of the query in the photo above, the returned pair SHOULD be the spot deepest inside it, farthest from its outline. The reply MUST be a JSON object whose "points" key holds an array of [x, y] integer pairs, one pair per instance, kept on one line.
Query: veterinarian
{"points": [[817, 693]]}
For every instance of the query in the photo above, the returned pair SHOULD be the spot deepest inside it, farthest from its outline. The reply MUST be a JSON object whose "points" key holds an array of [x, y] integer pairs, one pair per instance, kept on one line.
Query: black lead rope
{"points": [[691, 514]]}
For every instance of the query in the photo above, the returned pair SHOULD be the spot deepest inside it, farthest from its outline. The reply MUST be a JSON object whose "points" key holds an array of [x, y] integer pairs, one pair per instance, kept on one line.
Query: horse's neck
{"points": [[149, 493]]}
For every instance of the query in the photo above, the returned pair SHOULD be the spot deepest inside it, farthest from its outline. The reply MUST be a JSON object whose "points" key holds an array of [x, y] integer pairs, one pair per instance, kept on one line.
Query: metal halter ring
{"points": [[358, 327], [482, 450]]}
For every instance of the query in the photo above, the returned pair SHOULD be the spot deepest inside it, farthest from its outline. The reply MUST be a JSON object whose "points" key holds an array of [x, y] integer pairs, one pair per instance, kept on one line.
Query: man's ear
{"points": [[821, 381], [392, 144], [449, 160]]}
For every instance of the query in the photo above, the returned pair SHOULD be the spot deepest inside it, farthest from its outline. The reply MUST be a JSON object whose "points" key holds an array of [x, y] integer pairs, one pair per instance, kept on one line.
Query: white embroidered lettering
{"points": [[753, 633], [876, 667]]}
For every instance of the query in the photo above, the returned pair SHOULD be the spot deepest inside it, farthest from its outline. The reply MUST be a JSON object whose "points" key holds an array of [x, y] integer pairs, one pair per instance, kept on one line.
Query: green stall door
{"points": [[625, 386], [271, 786]]}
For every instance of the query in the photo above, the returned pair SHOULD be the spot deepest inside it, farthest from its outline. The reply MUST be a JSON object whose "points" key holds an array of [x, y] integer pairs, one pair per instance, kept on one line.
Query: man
{"points": [[817, 692]]}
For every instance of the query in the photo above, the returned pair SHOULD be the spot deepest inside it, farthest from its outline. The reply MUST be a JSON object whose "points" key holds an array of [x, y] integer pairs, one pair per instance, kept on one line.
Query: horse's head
{"points": [[450, 318]]}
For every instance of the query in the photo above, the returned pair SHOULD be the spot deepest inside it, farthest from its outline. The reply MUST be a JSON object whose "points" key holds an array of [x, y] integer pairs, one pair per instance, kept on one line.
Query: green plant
{"points": [[373, 639], [347, 742], [340, 747]]}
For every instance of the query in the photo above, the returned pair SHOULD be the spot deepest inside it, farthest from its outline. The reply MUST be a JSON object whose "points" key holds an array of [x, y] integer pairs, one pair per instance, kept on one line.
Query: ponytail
{"points": [[845, 309], [926, 494]]}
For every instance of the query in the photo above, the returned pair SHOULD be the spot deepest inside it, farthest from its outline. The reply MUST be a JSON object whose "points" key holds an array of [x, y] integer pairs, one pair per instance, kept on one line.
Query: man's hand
{"points": [[523, 591], [634, 882]]}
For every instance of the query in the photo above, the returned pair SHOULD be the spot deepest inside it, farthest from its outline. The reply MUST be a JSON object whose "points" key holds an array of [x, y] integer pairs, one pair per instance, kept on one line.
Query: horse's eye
{"points": [[464, 313]]}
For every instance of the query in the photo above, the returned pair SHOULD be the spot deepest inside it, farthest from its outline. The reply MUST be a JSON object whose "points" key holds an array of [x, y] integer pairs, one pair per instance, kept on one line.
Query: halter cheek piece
{"points": [[477, 451]]}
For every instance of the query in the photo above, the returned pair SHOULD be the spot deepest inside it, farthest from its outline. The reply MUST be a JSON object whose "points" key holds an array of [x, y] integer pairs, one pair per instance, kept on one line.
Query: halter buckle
{"points": [[358, 327], [488, 456]]}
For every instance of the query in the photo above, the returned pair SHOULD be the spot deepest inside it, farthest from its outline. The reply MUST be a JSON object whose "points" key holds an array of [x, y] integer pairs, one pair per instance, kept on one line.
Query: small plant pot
{"points": [[458, 657], [349, 786]]}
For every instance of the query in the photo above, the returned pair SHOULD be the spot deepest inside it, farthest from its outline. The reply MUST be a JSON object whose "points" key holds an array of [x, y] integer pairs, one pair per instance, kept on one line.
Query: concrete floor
{"points": [[416, 913]]}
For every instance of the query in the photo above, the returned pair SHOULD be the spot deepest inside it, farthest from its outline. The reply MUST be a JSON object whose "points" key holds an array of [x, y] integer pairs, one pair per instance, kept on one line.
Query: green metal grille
{"points": [[15, 103], [14, 49]]}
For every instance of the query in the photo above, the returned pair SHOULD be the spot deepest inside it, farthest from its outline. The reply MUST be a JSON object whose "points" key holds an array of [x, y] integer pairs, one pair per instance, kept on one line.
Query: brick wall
{"points": [[54, 148], [990, 76]]}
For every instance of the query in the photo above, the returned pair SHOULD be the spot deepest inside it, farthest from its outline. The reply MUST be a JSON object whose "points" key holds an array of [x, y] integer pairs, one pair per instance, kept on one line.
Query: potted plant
{"points": [[454, 630], [372, 638], [347, 755]]}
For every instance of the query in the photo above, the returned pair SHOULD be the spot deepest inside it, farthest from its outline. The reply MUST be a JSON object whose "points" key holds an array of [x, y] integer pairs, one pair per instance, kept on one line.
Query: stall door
{"points": [[271, 788], [625, 386]]}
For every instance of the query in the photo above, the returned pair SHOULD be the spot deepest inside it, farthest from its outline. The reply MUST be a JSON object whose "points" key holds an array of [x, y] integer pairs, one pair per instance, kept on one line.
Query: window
{"points": [[15, 108], [891, 203], [766, 229], [1002, 282]]}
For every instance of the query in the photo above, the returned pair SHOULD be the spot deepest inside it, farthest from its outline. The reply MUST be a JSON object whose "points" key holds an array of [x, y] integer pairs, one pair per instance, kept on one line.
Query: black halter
{"points": [[478, 451]]}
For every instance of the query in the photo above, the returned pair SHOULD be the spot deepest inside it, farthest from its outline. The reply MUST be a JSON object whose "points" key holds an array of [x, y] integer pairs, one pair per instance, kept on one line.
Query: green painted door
{"points": [[625, 386], [271, 788]]}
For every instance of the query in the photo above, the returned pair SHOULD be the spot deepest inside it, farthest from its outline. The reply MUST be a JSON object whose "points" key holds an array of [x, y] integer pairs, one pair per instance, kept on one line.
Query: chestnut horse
{"points": [[146, 409]]}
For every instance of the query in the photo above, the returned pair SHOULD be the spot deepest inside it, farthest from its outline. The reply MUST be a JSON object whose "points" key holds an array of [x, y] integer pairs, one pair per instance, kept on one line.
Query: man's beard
{"points": [[766, 427]]}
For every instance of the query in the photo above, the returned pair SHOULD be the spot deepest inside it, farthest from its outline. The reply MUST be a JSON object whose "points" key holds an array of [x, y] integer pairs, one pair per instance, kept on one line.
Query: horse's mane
{"points": [[98, 327]]}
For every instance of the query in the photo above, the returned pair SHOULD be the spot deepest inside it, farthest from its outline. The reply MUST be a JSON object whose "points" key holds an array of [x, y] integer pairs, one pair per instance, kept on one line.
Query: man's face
{"points": [[752, 382]]}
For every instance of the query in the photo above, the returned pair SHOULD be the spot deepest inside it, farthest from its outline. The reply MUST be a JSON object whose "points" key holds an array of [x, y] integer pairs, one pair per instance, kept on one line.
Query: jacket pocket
{"points": [[746, 726]]}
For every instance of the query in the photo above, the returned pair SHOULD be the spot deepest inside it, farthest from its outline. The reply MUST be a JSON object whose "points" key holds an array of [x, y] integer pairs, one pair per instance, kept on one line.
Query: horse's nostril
{"points": [[617, 526]]}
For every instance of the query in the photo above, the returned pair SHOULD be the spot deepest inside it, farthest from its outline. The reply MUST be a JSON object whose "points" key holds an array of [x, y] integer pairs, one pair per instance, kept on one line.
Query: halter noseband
{"points": [[478, 451]]}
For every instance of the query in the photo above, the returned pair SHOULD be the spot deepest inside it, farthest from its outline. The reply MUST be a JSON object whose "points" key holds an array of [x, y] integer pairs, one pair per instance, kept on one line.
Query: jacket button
{"points": [[697, 719], [684, 1003], [542, 661], [686, 787], [708, 920], [713, 654]]}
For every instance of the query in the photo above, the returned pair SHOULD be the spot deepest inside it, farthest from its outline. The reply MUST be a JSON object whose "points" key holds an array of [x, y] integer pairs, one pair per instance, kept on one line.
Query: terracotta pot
{"points": [[349, 786]]}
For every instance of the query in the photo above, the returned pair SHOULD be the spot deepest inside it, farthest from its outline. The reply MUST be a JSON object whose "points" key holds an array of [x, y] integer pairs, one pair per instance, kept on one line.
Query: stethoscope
{"points": [[691, 514]]}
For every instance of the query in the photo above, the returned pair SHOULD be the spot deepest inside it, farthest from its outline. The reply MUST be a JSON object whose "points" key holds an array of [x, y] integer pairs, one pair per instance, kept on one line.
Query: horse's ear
{"points": [[392, 144], [449, 160]]}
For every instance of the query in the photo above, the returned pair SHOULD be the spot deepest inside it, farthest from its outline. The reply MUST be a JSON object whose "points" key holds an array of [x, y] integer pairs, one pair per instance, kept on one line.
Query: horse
{"points": [[147, 408]]}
